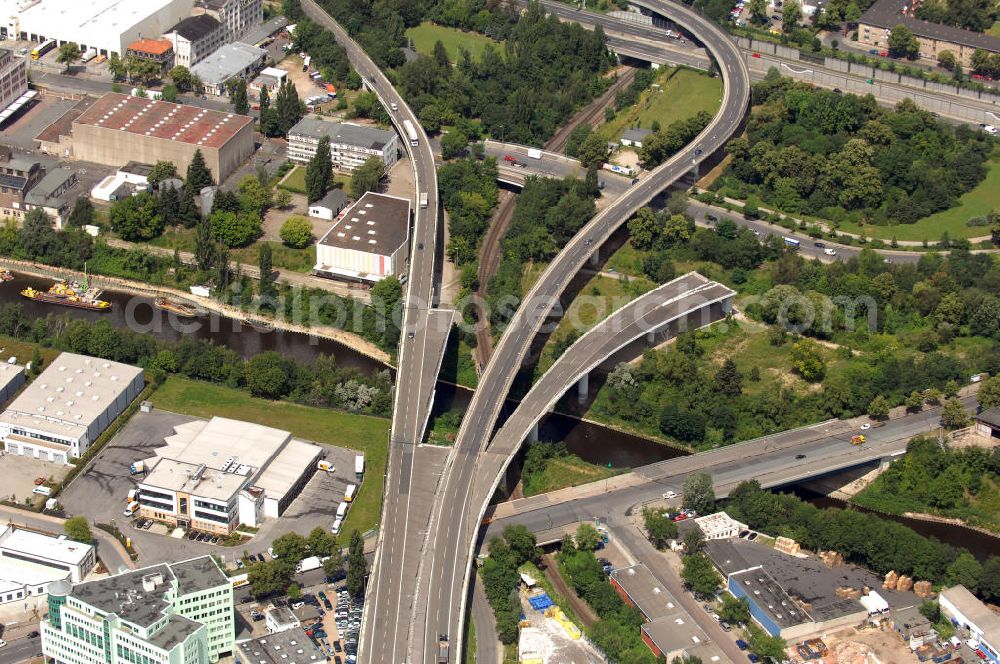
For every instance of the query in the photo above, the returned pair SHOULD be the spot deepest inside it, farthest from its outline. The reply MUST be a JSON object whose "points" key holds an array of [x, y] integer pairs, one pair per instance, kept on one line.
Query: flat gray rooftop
{"points": [[124, 596], [178, 628], [289, 647], [376, 224], [341, 133]]}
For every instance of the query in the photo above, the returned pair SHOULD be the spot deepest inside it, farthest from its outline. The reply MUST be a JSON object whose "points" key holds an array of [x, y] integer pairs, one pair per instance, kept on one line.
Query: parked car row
{"points": [[207, 538]]}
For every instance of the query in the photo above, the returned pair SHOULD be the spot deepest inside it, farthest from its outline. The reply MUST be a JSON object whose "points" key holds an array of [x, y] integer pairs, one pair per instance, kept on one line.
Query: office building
{"points": [[53, 195], [369, 242], [215, 475], [877, 23], [176, 613], [350, 145], [13, 84], [238, 17], [961, 606], [228, 62], [118, 128], [31, 562], [68, 406], [17, 176], [108, 26], [194, 38], [290, 647], [158, 51]]}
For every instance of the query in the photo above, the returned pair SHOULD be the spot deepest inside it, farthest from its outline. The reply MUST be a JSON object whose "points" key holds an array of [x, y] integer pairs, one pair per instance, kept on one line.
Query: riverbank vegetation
{"points": [[814, 340], [864, 539], [937, 479], [842, 158], [550, 466]]}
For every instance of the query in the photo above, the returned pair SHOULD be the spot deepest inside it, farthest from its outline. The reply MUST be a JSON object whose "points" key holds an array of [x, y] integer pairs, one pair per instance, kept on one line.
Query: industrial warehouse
{"points": [[215, 475], [369, 242], [118, 128], [30, 562], [68, 406]]}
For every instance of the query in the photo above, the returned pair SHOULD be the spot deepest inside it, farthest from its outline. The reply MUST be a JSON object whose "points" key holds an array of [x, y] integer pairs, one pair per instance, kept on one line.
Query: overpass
{"points": [[444, 600], [421, 351], [548, 164], [776, 461]]}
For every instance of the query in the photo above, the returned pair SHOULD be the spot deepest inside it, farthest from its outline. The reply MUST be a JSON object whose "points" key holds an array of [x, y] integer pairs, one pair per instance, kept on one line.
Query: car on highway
{"points": [[800, 456], [819, 245], [830, 252], [670, 494], [409, 335], [866, 426], [755, 55], [2, 643]]}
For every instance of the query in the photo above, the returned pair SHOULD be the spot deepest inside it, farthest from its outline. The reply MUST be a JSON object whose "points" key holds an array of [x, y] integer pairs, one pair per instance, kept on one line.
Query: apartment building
{"points": [[194, 38], [350, 145], [238, 17]]}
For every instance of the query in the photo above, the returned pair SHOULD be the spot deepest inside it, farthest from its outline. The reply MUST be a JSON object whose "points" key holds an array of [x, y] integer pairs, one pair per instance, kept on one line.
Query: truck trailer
{"points": [[308, 564]]}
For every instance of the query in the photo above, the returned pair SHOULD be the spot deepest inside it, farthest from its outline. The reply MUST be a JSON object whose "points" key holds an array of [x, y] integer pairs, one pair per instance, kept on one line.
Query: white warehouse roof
{"points": [[70, 395], [30, 543]]}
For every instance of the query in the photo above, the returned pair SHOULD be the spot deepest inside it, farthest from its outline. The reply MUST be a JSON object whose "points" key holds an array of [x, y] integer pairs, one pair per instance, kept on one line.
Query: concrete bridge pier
{"points": [[595, 258], [651, 337], [696, 170], [533, 434], [583, 388]]}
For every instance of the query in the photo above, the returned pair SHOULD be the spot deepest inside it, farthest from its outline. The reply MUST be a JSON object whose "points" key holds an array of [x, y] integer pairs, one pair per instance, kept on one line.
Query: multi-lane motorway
{"points": [[448, 564], [425, 331]]}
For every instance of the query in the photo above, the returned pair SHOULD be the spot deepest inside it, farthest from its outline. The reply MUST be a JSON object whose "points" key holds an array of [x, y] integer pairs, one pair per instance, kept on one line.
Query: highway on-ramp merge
{"points": [[443, 595], [424, 332]]}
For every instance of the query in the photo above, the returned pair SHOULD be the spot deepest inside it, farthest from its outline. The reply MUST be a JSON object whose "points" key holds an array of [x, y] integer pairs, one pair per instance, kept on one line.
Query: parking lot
{"points": [[19, 473], [100, 494]]}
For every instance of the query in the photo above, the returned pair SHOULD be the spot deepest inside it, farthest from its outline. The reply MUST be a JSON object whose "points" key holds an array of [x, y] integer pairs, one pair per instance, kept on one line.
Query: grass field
{"points": [[975, 203], [683, 94], [24, 350], [426, 34], [569, 470], [322, 425], [282, 257], [994, 30]]}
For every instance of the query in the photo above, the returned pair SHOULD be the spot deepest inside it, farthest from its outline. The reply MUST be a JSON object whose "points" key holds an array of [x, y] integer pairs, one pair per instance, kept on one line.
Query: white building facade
{"points": [[369, 242], [350, 145], [195, 38], [237, 16]]}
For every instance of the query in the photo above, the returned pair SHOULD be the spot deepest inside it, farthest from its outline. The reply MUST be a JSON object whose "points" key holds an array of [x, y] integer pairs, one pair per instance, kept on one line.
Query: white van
{"points": [[342, 510], [349, 494], [132, 495], [42, 491], [336, 526], [131, 509]]}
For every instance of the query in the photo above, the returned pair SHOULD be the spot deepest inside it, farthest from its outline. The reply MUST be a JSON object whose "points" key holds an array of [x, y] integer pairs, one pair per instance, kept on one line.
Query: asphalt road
{"points": [[450, 562], [21, 650], [421, 349], [550, 164]]}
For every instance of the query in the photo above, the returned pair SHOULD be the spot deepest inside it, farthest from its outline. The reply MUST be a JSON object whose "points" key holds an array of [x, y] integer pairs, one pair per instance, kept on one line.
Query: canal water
{"points": [[592, 442]]}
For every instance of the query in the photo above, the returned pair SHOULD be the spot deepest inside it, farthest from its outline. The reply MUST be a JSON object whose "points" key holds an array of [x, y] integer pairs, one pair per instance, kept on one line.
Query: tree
{"points": [[914, 402], [965, 571], [265, 100], [522, 543], [644, 229], [136, 218], [947, 60], [82, 213], [728, 379], [253, 196], [235, 230], [693, 541], [989, 580], [334, 567], [294, 592], [268, 375], [357, 566], [931, 610], [267, 288], [659, 528], [699, 574], [734, 611], [296, 232], [903, 43], [765, 645], [367, 177], [321, 542], [954, 415], [181, 76], [282, 198], [989, 392], [319, 171], [878, 408], [453, 144], [170, 93], [68, 54], [587, 538], [204, 245], [198, 175], [288, 109], [290, 547], [78, 530], [269, 578], [791, 16], [237, 88], [807, 360], [168, 206], [593, 150], [699, 493], [758, 11], [162, 170]]}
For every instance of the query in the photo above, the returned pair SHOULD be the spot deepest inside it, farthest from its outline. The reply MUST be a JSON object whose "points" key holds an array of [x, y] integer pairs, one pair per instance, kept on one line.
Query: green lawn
{"points": [[282, 257], [683, 94], [296, 180], [994, 30], [322, 425], [975, 203], [426, 34], [565, 471]]}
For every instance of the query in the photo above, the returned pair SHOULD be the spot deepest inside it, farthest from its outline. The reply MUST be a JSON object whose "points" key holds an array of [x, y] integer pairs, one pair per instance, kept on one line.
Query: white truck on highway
{"points": [[423, 199]]}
